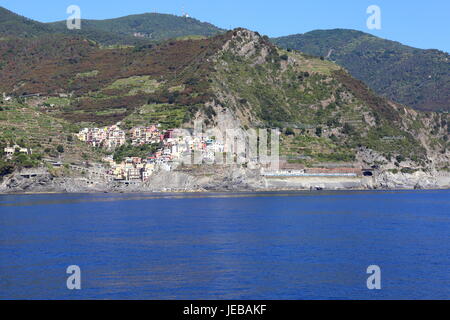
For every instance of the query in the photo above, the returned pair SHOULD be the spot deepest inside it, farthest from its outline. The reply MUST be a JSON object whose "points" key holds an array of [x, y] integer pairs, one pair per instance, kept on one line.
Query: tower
{"points": [[185, 14]]}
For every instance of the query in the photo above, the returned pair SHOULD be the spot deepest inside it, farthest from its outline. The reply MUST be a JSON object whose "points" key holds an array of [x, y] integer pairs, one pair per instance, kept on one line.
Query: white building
{"points": [[10, 151]]}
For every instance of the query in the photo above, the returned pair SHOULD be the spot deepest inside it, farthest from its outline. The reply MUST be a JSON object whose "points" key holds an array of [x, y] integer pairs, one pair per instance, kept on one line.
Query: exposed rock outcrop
{"points": [[221, 179]]}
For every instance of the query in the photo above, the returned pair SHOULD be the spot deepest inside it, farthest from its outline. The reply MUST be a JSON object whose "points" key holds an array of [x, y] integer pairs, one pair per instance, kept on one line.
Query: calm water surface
{"points": [[242, 246]]}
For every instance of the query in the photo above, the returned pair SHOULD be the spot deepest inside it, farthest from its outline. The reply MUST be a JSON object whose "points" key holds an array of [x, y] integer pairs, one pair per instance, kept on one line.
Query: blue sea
{"points": [[300, 245]]}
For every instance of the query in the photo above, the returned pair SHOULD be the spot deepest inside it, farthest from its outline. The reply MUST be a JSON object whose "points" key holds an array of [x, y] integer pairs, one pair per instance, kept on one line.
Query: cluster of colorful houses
{"points": [[177, 146], [172, 147], [107, 137]]}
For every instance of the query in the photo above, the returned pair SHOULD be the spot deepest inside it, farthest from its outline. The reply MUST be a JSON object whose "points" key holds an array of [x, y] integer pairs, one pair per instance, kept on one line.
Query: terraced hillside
{"points": [[326, 114], [48, 137], [238, 79], [415, 77], [105, 84]]}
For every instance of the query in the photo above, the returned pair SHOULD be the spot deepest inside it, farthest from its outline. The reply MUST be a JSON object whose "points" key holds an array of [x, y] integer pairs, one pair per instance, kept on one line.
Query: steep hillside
{"points": [[129, 30], [328, 116], [105, 85], [29, 126], [16, 26], [12, 24], [415, 77], [235, 80], [148, 26]]}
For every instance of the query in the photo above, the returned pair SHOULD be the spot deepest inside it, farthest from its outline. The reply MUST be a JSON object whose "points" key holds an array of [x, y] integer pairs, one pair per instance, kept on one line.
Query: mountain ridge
{"points": [[237, 79], [415, 77], [128, 30], [12, 24], [153, 26]]}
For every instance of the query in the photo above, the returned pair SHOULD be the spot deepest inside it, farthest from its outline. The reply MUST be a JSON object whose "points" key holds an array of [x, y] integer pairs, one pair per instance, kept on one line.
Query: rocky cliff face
{"points": [[221, 179], [333, 116]]}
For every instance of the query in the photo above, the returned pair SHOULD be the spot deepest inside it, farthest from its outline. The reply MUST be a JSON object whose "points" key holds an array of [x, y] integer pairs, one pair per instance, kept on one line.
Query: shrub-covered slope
{"points": [[12, 24], [128, 30], [415, 77], [152, 26], [235, 79]]}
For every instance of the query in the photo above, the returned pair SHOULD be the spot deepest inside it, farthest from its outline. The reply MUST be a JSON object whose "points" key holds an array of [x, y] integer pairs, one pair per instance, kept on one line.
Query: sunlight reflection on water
{"points": [[288, 245]]}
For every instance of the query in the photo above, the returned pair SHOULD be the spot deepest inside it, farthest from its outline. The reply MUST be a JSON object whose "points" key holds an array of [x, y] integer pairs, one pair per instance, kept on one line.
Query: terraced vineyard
{"points": [[29, 127], [235, 79]]}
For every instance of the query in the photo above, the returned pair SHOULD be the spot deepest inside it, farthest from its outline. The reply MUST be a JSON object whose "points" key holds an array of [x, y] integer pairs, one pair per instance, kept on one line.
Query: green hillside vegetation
{"points": [[414, 77], [14, 25], [152, 26], [107, 85], [324, 113], [128, 150], [329, 113], [132, 30], [48, 137]]}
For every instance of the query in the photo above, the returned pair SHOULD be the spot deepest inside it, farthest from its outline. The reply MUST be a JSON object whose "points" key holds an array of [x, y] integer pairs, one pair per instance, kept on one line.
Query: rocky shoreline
{"points": [[234, 180]]}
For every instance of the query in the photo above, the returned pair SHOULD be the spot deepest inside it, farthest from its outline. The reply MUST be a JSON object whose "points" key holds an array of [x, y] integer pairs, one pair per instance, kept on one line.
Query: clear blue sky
{"points": [[419, 23]]}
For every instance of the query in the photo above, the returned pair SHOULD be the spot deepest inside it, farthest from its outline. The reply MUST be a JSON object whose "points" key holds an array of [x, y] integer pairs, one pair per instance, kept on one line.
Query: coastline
{"points": [[219, 191], [235, 180], [211, 192]]}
